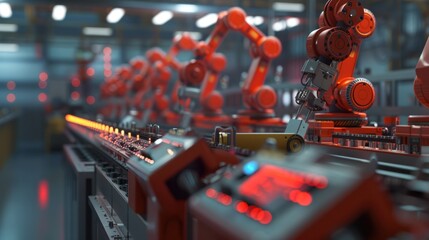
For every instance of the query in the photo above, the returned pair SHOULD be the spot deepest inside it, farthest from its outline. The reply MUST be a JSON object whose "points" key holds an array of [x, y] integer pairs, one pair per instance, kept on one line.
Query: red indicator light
{"points": [[75, 96], [90, 72], [43, 76], [90, 100], [43, 194], [254, 212], [224, 199], [211, 193], [11, 97], [107, 51], [11, 85], [302, 198], [267, 218], [43, 85], [242, 207], [75, 82], [271, 182], [43, 97]]}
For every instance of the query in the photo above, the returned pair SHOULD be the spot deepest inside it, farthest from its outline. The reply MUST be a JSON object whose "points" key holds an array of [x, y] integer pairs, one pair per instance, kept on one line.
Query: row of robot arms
{"points": [[198, 78]]}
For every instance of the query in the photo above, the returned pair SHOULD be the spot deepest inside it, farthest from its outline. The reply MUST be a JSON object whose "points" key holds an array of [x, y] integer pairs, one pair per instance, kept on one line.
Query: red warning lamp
{"points": [[43, 97], [11, 85], [11, 97], [90, 71], [90, 100], [43, 76], [75, 96]]}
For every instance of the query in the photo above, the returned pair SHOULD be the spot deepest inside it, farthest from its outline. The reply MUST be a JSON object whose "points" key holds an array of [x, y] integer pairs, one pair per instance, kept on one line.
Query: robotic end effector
{"points": [[333, 52]]}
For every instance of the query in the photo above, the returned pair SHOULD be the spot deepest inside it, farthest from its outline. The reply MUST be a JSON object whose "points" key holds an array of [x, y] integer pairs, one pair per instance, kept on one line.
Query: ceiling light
{"points": [[257, 20], [207, 20], [187, 8], [162, 17], [5, 10], [115, 15], [97, 31], [279, 25], [194, 35], [7, 27], [288, 7], [292, 22], [8, 47], [59, 12]]}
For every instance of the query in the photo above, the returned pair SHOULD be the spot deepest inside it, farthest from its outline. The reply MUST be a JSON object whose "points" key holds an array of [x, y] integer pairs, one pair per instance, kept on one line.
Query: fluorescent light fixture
{"points": [[207, 20], [162, 17], [5, 10], [194, 35], [7, 27], [256, 20], [115, 15], [8, 47], [279, 25], [292, 22], [59, 12], [97, 31], [187, 8], [288, 7]]}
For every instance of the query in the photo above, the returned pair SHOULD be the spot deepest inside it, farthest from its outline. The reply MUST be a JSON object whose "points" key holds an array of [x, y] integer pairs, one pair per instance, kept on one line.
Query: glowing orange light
{"points": [[43, 97], [75, 96], [43, 194], [43, 76], [75, 82], [90, 100], [107, 51], [90, 71], [43, 85], [11, 97], [11, 85]]}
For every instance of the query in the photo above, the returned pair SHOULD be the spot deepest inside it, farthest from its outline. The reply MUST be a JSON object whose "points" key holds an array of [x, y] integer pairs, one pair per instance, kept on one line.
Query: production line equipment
{"points": [[177, 185], [200, 76]]}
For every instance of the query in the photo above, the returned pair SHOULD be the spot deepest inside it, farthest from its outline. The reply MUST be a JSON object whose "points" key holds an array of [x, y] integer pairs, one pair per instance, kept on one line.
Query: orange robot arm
{"points": [[208, 64]]}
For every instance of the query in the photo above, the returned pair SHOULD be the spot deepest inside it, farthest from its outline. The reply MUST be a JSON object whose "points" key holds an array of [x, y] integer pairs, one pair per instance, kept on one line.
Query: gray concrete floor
{"points": [[32, 193]]}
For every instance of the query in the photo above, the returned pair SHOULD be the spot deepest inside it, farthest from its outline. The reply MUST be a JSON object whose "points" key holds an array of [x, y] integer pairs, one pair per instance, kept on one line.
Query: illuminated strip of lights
{"points": [[288, 7], [207, 20], [86, 123], [8, 27], [187, 8], [162, 17], [115, 15], [97, 31]]}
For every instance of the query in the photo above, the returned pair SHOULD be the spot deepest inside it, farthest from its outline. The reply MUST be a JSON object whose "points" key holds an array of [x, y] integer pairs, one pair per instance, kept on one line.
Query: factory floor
{"points": [[32, 194]]}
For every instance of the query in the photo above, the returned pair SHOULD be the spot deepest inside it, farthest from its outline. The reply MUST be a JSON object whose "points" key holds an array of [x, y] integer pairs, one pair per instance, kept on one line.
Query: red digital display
{"points": [[271, 182]]}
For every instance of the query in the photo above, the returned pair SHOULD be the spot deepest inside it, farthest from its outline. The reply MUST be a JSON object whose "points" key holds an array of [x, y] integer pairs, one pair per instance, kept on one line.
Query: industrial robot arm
{"points": [[333, 51], [208, 64]]}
